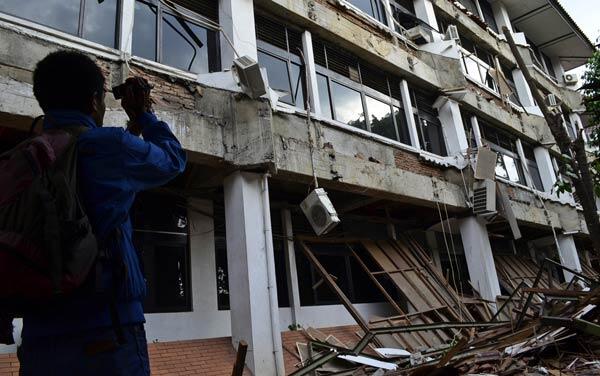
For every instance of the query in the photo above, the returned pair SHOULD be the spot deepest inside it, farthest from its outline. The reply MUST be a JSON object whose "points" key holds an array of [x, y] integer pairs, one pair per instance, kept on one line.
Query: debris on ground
{"points": [[543, 327]]}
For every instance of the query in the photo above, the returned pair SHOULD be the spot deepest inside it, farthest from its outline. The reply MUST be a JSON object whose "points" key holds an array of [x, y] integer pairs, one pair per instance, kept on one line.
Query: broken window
{"points": [[177, 36], [89, 19], [514, 95], [356, 93], [429, 127], [508, 164], [279, 50], [477, 62], [471, 6], [160, 236], [488, 14], [532, 166]]}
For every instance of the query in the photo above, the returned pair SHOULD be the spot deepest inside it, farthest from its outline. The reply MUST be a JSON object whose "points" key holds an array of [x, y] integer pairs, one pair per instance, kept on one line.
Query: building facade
{"points": [[398, 106]]}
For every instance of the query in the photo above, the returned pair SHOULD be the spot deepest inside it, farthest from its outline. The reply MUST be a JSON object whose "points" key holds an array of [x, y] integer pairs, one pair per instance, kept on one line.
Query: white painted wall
{"points": [[546, 168], [568, 255], [452, 125], [236, 18], [205, 321], [480, 259]]}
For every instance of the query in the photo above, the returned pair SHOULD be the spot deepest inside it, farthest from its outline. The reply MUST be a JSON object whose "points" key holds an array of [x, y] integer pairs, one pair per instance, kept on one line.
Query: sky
{"points": [[586, 14]]}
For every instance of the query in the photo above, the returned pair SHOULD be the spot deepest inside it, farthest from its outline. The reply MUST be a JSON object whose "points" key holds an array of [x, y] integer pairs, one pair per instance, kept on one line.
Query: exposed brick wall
{"points": [[9, 365], [207, 357], [168, 92], [411, 162]]}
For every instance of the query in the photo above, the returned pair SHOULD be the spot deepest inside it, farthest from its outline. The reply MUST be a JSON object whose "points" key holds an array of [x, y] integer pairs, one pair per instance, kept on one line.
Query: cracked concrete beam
{"points": [[327, 21]]}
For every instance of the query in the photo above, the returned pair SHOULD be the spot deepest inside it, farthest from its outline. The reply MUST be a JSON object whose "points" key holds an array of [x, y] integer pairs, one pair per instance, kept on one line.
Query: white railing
{"points": [[477, 70]]}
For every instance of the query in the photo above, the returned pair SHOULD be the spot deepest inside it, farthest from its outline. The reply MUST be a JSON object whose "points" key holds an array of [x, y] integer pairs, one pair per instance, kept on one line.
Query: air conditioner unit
{"points": [[485, 167], [551, 100], [571, 78], [451, 33], [320, 211], [419, 34], [484, 197], [250, 77]]}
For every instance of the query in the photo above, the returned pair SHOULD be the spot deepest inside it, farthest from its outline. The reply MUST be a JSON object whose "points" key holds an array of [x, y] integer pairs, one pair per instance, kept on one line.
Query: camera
{"points": [[119, 90]]}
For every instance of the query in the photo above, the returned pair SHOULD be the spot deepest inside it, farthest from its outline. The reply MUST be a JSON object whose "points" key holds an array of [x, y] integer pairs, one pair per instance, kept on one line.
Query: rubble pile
{"points": [[542, 328]]}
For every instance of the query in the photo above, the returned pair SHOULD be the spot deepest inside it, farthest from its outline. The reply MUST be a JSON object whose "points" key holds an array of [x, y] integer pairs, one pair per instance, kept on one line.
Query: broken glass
{"points": [[278, 75], [324, 98], [184, 44], [144, 31]]}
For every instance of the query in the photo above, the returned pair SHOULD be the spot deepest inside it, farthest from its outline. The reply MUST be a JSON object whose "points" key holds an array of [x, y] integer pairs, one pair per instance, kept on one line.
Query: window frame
{"points": [[364, 91], [502, 151], [290, 58], [214, 61], [81, 22]]}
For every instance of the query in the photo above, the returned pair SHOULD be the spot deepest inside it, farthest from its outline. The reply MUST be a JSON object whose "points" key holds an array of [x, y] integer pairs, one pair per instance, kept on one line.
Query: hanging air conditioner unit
{"points": [[484, 197], [419, 35], [551, 100], [250, 77], [320, 211], [570, 78], [485, 167], [452, 33]]}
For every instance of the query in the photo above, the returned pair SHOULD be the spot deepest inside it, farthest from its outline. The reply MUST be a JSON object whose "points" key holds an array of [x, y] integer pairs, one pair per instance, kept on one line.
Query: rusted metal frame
{"points": [[332, 285], [510, 298], [334, 352], [315, 364], [574, 272], [375, 281], [530, 296], [445, 325]]}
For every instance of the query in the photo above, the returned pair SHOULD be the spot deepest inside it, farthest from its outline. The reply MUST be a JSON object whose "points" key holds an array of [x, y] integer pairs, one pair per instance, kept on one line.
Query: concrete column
{"points": [[452, 125], [480, 259], [409, 113], [290, 265], [568, 255], [251, 313], [312, 87], [425, 12], [501, 16], [435, 249], [126, 27], [578, 124], [559, 71], [524, 167], [546, 168], [523, 89], [236, 18], [476, 131]]}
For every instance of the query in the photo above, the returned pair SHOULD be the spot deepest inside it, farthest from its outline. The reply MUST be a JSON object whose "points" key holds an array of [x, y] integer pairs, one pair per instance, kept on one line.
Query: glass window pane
{"points": [[512, 169], [184, 44], [144, 31], [535, 176], [277, 72], [347, 105], [100, 20], [324, 99], [364, 5], [402, 126], [500, 169], [298, 84], [59, 14], [473, 69], [380, 118]]}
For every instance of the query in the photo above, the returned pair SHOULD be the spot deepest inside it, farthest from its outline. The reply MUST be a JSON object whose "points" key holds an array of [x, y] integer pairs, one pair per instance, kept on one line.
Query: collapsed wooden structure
{"points": [[444, 329]]}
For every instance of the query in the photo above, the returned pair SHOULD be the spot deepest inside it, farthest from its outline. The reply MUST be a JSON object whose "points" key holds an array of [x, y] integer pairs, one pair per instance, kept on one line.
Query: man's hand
{"points": [[136, 101]]}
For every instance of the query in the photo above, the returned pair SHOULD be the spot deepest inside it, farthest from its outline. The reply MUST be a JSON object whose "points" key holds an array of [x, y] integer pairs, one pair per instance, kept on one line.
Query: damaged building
{"points": [[412, 116]]}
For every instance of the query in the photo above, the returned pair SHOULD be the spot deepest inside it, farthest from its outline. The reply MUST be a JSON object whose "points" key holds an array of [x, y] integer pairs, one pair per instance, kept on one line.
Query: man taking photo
{"points": [[86, 334]]}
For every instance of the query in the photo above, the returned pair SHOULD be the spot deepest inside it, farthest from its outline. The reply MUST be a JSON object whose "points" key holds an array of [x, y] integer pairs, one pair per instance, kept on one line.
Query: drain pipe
{"points": [[271, 281]]}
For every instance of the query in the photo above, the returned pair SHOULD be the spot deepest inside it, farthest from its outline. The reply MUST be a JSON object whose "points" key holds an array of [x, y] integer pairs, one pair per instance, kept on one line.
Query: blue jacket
{"points": [[113, 166]]}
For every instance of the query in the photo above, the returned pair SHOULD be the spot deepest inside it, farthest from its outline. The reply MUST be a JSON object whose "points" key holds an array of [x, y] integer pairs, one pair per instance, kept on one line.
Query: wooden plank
{"points": [[240, 359], [371, 275], [331, 283]]}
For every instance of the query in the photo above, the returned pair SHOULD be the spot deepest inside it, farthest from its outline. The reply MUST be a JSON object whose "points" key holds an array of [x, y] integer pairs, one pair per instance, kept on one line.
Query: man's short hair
{"points": [[67, 80]]}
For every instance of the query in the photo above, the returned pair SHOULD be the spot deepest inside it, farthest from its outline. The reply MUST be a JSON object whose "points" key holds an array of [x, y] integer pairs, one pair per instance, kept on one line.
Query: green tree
{"points": [[591, 92]]}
